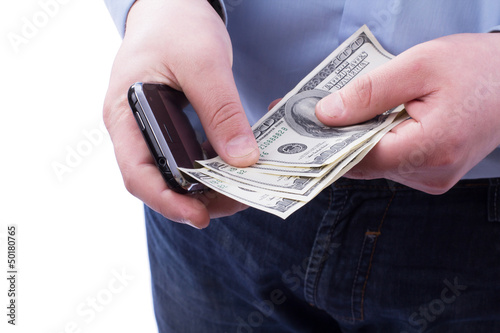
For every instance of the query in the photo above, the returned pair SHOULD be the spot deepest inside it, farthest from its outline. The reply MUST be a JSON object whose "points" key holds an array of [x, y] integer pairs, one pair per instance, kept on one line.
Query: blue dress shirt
{"points": [[277, 42]]}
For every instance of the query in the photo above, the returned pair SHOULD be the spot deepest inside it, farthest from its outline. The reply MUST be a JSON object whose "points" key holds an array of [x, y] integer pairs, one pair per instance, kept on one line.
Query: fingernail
{"points": [[241, 146], [331, 106], [189, 223]]}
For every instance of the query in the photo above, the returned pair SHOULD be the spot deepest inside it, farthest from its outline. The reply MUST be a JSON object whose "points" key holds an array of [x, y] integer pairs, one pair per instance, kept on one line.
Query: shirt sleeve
{"points": [[119, 10]]}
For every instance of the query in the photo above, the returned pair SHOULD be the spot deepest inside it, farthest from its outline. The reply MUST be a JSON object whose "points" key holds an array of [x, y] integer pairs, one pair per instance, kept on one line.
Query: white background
{"points": [[78, 228]]}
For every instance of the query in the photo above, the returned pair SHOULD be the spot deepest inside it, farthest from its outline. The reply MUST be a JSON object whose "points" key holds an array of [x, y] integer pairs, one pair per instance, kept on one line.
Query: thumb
{"points": [[219, 108], [388, 86]]}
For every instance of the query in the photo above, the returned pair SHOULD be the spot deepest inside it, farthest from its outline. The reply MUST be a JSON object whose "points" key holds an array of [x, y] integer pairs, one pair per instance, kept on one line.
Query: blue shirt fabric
{"points": [[277, 42]]}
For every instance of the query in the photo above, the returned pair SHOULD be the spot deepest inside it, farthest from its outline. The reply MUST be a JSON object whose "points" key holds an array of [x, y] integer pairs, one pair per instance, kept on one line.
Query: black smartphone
{"points": [[171, 139]]}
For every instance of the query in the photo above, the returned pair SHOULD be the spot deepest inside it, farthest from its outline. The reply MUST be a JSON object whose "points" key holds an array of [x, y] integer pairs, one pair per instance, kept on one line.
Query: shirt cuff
{"points": [[119, 10], [495, 29]]}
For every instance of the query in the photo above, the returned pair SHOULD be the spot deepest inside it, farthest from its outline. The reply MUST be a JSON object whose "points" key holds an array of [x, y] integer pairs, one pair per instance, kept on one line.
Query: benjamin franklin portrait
{"points": [[300, 116]]}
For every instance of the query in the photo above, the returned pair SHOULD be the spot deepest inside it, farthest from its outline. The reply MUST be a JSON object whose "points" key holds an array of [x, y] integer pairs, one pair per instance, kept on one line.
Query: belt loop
{"points": [[494, 200]]}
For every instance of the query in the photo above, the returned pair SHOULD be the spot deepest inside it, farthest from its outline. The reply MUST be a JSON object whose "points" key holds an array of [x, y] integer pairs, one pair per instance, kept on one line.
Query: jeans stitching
{"points": [[309, 293], [495, 202], [323, 258], [355, 279], [368, 233], [310, 288]]}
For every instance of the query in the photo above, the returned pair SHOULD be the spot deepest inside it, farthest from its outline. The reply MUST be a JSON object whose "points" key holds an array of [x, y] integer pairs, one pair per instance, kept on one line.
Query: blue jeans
{"points": [[363, 256]]}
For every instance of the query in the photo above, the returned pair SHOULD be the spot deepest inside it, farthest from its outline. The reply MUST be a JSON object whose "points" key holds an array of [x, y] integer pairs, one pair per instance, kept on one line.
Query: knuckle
{"points": [[106, 111], [419, 62], [420, 69], [112, 111], [361, 94], [447, 168], [128, 182], [451, 155], [437, 166], [440, 186], [167, 213], [225, 115], [131, 179]]}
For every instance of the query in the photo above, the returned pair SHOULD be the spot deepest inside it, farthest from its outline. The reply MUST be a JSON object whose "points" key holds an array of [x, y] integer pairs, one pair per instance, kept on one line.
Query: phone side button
{"points": [[139, 121]]}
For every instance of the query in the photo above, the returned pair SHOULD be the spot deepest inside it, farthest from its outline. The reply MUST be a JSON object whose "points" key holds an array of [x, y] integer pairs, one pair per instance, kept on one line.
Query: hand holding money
{"points": [[299, 155], [450, 89]]}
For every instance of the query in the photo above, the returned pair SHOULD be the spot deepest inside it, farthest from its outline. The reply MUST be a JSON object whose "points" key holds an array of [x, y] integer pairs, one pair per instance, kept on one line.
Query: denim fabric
{"points": [[364, 256]]}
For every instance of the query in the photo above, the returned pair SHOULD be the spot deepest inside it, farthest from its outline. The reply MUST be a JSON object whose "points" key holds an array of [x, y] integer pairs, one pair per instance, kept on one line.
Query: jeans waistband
{"points": [[491, 185]]}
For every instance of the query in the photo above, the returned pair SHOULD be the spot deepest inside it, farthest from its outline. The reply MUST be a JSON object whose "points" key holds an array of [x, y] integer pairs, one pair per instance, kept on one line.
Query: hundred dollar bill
{"points": [[282, 170], [286, 187], [287, 183], [291, 135], [266, 188], [278, 206], [252, 188], [281, 204]]}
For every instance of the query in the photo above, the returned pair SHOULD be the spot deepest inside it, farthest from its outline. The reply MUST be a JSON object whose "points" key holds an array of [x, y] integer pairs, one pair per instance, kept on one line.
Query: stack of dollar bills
{"points": [[299, 156]]}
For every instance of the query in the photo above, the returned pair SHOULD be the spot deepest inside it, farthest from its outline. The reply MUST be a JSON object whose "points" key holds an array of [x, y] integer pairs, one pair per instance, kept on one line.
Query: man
{"points": [[386, 254]]}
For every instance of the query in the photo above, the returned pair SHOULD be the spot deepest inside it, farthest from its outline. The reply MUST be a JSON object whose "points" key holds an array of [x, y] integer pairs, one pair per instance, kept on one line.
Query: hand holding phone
{"points": [[170, 137], [161, 43]]}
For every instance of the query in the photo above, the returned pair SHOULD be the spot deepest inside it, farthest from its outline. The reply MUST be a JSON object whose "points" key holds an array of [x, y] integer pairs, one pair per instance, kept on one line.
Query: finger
{"points": [[145, 182], [382, 158], [220, 111], [218, 205], [141, 176], [273, 104], [407, 155], [395, 83]]}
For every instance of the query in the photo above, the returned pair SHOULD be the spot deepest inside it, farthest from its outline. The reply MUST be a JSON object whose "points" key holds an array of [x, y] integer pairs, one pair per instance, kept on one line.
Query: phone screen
{"points": [[171, 139], [167, 106]]}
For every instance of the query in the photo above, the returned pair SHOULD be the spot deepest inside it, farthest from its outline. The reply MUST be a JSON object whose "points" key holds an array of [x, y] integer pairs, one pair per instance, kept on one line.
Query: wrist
{"points": [[217, 5]]}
